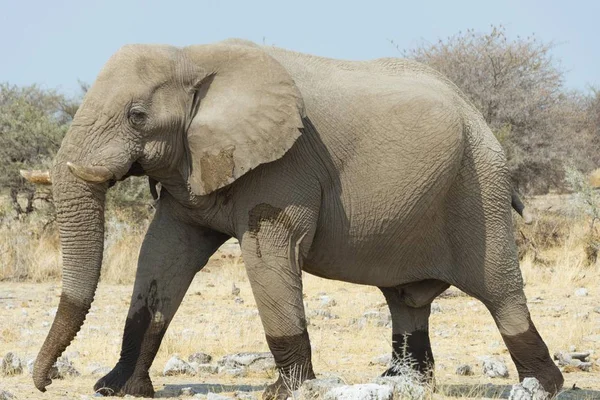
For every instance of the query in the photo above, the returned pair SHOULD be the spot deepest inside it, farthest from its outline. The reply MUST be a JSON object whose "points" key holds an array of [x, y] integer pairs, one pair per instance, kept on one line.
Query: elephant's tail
{"points": [[519, 207]]}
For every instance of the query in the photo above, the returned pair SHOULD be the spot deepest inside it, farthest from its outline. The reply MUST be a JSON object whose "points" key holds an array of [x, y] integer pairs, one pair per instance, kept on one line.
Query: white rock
{"points": [[30, 364], [364, 391], [529, 389], [187, 391], [436, 308], [176, 366], [244, 396], [384, 360], [327, 301], [322, 314], [215, 396], [581, 292], [205, 368], [11, 365], [404, 386], [316, 388], [63, 368], [200, 358], [260, 361], [5, 395], [494, 368], [464, 370]]}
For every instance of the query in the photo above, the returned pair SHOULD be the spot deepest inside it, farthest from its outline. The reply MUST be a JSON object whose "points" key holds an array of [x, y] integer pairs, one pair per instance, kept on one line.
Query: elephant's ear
{"points": [[248, 111]]}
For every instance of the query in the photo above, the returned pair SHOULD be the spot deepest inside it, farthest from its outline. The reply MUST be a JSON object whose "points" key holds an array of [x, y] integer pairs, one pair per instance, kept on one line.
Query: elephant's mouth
{"points": [[135, 170]]}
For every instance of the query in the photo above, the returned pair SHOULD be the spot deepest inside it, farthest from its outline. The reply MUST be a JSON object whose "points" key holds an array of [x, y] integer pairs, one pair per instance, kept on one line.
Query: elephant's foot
{"points": [[412, 351], [121, 381], [277, 391], [532, 359], [282, 388], [293, 359]]}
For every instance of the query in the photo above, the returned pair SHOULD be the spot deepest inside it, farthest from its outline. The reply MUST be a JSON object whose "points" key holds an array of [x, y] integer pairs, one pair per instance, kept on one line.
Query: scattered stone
{"points": [[322, 314], [529, 389], [581, 356], [215, 396], [30, 364], [316, 388], [577, 360], [71, 354], [238, 300], [235, 291], [253, 361], [363, 391], [358, 322], [581, 292], [464, 370], [205, 368], [597, 310], [536, 299], [244, 396], [11, 365], [187, 391], [373, 315], [383, 360], [62, 369], [404, 386], [6, 395], [234, 372], [494, 368], [585, 366], [327, 301], [176, 366], [200, 358], [436, 308]]}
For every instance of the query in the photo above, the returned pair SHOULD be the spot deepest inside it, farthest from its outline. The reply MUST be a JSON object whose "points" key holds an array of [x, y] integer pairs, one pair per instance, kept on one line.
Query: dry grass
{"points": [[209, 319]]}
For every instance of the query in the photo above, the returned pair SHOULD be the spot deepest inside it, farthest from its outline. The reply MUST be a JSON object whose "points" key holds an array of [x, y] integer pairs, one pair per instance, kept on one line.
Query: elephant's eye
{"points": [[137, 116]]}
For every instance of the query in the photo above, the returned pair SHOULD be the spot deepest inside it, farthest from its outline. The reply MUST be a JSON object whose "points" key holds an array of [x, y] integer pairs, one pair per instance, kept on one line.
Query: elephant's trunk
{"points": [[80, 216]]}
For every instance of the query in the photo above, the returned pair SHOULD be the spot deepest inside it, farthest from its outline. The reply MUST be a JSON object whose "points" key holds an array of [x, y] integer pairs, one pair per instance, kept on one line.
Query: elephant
{"points": [[375, 172]]}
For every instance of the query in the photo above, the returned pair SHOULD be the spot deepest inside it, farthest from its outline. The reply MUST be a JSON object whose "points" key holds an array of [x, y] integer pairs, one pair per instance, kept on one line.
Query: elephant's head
{"points": [[195, 118]]}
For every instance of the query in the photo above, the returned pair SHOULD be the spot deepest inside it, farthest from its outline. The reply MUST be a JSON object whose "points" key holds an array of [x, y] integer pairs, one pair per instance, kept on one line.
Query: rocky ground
{"points": [[349, 328]]}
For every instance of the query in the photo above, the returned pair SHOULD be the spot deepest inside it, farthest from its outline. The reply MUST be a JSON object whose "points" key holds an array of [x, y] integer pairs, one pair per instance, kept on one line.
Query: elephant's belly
{"points": [[382, 261], [387, 247]]}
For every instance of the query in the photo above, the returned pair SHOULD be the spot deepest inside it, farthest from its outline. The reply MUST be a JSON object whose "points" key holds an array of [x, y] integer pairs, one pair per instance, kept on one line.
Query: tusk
{"points": [[37, 176], [95, 174]]}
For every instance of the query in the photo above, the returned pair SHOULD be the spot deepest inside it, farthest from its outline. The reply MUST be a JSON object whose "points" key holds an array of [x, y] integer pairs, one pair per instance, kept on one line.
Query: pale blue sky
{"points": [[54, 43]]}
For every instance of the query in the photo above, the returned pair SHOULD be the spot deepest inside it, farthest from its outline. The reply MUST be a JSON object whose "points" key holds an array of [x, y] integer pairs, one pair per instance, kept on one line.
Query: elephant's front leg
{"points": [[171, 255], [273, 262]]}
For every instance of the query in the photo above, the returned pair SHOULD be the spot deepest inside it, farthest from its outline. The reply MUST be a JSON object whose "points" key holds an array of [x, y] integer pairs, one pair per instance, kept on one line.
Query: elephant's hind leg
{"points": [[410, 306], [488, 269], [171, 255], [525, 345]]}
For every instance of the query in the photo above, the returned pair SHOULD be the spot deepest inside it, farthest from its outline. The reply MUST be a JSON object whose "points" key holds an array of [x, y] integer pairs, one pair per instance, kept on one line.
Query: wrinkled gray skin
{"points": [[376, 172]]}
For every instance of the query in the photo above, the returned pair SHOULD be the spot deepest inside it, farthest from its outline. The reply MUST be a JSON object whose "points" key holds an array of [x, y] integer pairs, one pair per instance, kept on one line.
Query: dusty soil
{"points": [[211, 321]]}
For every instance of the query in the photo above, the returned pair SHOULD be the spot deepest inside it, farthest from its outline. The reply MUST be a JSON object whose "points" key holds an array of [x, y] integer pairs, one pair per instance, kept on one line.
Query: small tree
{"points": [[32, 125], [518, 87]]}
